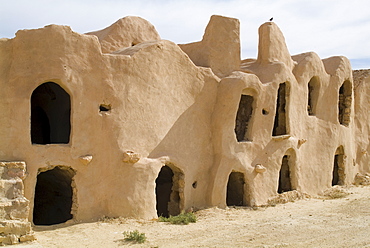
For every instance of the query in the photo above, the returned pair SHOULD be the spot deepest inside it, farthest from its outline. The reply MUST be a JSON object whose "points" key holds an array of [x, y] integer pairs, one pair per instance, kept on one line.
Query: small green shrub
{"points": [[134, 236], [181, 219]]}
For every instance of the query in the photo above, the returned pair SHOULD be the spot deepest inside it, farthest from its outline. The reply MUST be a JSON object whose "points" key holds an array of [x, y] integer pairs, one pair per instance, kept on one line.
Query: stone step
{"points": [[15, 209], [11, 189]]}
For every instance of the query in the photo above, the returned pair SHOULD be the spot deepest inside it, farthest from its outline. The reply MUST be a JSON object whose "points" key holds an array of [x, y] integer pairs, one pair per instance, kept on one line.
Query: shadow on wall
{"points": [[171, 144]]}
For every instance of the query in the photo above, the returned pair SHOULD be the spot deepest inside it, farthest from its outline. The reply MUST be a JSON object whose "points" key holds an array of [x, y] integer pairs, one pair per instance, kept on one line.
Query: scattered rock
{"points": [[286, 197], [260, 168], [131, 157], [361, 179], [86, 159]]}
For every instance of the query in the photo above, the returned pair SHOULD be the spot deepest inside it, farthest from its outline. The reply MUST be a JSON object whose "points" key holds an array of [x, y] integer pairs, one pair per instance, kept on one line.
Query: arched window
{"points": [[313, 95], [344, 103], [50, 115], [280, 122], [243, 118]]}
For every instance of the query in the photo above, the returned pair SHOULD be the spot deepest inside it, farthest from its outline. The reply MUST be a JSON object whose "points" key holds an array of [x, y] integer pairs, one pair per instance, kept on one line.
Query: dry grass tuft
{"points": [[286, 197], [335, 192]]}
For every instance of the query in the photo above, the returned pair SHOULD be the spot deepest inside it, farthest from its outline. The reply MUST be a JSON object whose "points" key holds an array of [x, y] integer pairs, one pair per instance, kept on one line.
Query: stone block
{"points": [[12, 170], [15, 227], [11, 189], [10, 239], [27, 237], [19, 209]]}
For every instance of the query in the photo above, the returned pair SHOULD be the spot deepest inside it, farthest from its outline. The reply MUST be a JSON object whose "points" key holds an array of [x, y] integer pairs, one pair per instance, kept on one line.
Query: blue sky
{"points": [[327, 27]]}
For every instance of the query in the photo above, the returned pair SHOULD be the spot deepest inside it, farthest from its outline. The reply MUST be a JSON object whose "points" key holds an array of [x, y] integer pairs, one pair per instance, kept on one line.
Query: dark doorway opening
{"points": [[280, 116], [335, 180], [243, 117], [338, 167], [285, 183], [344, 103], [53, 196], [235, 190], [167, 191], [313, 95], [50, 115]]}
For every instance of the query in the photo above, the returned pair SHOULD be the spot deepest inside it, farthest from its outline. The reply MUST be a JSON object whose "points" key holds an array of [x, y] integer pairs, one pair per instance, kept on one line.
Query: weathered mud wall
{"points": [[362, 119], [111, 114], [145, 99], [220, 47], [296, 119]]}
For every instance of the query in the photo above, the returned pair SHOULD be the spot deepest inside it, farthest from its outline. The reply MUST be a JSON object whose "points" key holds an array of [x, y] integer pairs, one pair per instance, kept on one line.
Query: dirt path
{"points": [[341, 222]]}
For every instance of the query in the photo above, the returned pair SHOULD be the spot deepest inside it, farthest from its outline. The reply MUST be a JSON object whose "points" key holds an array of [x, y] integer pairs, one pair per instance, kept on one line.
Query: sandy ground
{"points": [[343, 222]]}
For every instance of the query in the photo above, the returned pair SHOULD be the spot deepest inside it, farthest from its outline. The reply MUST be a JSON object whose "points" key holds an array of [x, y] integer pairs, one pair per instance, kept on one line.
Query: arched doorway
{"points": [[169, 191], [287, 173], [53, 196], [338, 167], [50, 115], [235, 195], [284, 176]]}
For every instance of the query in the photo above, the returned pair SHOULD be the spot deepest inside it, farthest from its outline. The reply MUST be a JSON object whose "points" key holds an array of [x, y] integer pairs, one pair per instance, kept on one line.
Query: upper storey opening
{"points": [[280, 122], [344, 103], [243, 118], [313, 95], [50, 115]]}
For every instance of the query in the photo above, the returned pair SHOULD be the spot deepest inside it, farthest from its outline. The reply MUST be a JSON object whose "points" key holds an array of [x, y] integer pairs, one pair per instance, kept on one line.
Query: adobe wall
{"points": [[362, 119], [155, 93], [312, 138], [139, 103]]}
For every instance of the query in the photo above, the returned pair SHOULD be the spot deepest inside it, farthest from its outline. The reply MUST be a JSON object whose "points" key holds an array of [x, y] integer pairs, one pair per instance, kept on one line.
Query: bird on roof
{"points": [[272, 18]]}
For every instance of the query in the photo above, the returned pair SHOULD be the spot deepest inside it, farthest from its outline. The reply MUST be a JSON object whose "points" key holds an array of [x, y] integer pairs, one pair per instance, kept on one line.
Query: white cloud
{"points": [[330, 27]]}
